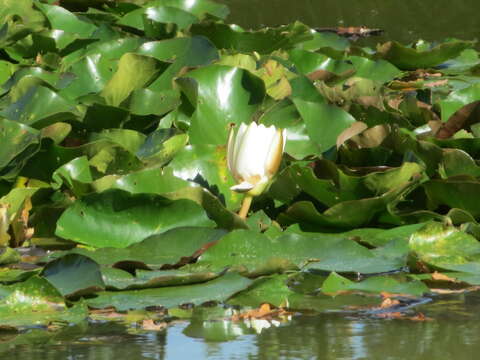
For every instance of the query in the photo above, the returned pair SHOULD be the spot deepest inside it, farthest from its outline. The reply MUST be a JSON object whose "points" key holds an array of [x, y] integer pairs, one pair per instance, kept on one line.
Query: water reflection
{"points": [[451, 333]]}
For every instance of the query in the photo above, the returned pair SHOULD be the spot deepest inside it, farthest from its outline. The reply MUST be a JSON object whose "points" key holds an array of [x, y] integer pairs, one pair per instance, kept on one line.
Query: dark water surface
{"points": [[451, 332], [403, 20]]}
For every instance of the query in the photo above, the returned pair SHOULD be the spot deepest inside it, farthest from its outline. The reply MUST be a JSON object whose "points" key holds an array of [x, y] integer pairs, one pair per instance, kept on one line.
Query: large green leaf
{"points": [[284, 115], [199, 8], [168, 248], [116, 279], [75, 174], [164, 182], [64, 272], [181, 52], [19, 142], [116, 218], [276, 291], [219, 290], [346, 214], [442, 246], [336, 283], [134, 71], [221, 95], [456, 193], [307, 62], [457, 99], [410, 58], [258, 254], [62, 19], [38, 103], [160, 14], [266, 40], [207, 165], [21, 19], [324, 122], [37, 302], [379, 70]]}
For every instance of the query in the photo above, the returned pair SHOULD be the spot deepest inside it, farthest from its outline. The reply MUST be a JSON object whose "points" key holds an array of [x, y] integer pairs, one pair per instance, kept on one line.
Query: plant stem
{"points": [[247, 201]]}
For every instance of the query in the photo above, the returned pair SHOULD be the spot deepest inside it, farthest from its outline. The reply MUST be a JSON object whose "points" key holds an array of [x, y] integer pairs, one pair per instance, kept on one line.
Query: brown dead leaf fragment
{"points": [[454, 291], [437, 83], [443, 277], [353, 130], [371, 137], [151, 325], [389, 315], [402, 316], [265, 311], [388, 303], [419, 317], [352, 32], [107, 313], [461, 119]]}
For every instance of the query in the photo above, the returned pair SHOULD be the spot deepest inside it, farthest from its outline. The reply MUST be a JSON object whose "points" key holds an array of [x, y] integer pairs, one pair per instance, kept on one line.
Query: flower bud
{"points": [[254, 154]]}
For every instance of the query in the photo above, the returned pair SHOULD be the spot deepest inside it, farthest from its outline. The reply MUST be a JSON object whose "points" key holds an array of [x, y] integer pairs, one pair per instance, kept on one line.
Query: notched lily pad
{"points": [[219, 289], [63, 273]]}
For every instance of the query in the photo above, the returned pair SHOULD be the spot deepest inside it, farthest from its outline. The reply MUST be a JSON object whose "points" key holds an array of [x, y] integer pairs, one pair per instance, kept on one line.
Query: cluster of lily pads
{"points": [[114, 187]]}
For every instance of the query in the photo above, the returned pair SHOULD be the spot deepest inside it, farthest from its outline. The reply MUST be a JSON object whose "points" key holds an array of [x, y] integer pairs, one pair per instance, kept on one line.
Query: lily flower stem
{"points": [[247, 201]]}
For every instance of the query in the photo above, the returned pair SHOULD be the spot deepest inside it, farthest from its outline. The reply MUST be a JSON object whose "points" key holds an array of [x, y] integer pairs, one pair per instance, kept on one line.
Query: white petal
{"points": [[242, 187], [230, 148], [275, 152], [253, 151], [238, 142]]}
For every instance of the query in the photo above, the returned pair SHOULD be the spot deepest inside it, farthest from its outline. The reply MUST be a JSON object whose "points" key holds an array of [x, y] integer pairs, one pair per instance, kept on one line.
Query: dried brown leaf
{"points": [[353, 130], [461, 119], [265, 311], [149, 324], [371, 137], [443, 277], [388, 302]]}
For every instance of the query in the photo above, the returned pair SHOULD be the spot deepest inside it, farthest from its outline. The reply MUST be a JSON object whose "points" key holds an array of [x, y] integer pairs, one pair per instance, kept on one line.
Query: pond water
{"points": [[404, 21], [449, 332]]}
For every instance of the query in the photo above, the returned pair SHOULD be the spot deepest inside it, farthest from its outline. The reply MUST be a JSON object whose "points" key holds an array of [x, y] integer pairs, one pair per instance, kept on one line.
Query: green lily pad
{"points": [[217, 108], [219, 289], [160, 14], [38, 103], [135, 217], [117, 279], [263, 41], [444, 246], [207, 164], [256, 254], [180, 52], [127, 78], [63, 274], [75, 174], [275, 291], [408, 58], [336, 283], [456, 193], [20, 142], [457, 99], [324, 122], [168, 248], [37, 302], [62, 19]]}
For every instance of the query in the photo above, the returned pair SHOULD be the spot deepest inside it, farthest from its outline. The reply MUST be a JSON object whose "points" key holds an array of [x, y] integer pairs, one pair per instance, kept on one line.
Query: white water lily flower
{"points": [[254, 155]]}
